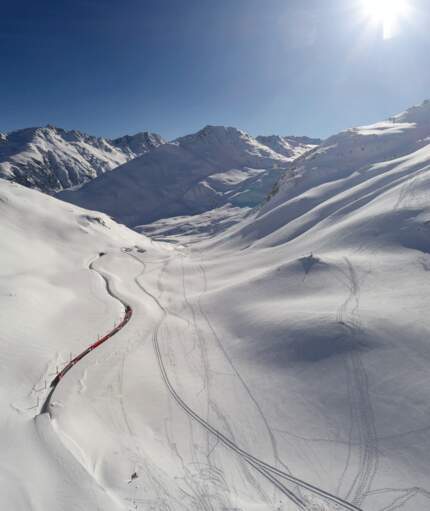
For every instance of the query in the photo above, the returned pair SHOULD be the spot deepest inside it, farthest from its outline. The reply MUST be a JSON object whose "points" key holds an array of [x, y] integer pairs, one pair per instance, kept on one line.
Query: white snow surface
{"points": [[216, 166], [291, 147], [355, 155], [180, 229], [52, 159], [300, 334]]}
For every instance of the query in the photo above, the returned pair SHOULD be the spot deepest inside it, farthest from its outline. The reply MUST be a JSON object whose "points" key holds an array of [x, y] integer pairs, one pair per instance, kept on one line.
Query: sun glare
{"points": [[387, 13]]}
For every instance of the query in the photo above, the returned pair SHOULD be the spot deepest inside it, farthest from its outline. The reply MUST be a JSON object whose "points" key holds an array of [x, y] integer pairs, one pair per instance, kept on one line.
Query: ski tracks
{"points": [[269, 472], [361, 411], [235, 370], [405, 496]]}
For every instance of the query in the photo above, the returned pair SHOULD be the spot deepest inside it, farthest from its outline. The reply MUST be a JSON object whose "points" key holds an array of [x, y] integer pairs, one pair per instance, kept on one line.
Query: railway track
{"points": [[128, 312]]}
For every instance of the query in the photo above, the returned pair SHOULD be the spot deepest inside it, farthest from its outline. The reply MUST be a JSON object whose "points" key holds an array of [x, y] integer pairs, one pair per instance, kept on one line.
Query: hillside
{"points": [[346, 166], [52, 305]]}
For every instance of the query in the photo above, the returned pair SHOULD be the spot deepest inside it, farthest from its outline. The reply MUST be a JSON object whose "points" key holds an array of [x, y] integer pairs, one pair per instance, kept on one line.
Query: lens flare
{"points": [[387, 13]]}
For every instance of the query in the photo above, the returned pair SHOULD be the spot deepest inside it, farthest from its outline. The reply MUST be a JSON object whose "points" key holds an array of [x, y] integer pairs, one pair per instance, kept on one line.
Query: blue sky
{"points": [[305, 67]]}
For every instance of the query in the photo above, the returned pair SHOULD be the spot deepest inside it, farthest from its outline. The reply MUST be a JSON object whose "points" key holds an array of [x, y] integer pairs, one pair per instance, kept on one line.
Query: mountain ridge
{"points": [[51, 159], [204, 170]]}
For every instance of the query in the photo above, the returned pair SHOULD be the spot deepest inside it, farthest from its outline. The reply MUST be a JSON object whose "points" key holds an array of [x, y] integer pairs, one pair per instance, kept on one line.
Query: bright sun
{"points": [[388, 13]]}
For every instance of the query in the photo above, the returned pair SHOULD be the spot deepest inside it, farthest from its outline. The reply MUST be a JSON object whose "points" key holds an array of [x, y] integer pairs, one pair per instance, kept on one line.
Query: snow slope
{"points": [[52, 159], [51, 305], [330, 307], [290, 147], [195, 173], [357, 152], [191, 227]]}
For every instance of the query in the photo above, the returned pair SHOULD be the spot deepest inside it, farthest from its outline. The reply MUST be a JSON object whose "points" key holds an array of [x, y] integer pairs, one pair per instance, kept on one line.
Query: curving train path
{"points": [[128, 312]]}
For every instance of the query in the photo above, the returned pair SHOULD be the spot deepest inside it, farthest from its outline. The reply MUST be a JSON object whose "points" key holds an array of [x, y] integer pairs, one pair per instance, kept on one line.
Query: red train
{"points": [[126, 319]]}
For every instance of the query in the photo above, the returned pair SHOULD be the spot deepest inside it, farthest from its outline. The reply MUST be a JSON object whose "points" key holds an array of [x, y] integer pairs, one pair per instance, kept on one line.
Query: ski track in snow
{"points": [[405, 496], [299, 502], [266, 470], [237, 373], [211, 404], [362, 415]]}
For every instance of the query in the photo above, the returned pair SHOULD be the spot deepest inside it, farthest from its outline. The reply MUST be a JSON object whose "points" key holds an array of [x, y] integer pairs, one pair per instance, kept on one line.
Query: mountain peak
{"points": [[418, 114], [214, 132], [52, 159], [226, 143], [219, 128], [139, 143], [52, 127]]}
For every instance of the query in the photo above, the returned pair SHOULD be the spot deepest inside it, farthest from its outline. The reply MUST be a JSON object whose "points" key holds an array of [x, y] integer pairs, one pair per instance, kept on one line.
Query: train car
{"points": [[60, 375]]}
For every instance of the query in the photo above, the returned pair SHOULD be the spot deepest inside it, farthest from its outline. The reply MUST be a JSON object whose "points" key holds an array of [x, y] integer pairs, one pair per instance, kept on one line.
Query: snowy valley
{"points": [[277, 357]]}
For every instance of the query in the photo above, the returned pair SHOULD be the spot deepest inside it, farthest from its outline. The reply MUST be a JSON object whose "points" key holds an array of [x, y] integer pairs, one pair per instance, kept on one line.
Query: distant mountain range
{"points": [[210, 168], [51, 159], [153, 178]]}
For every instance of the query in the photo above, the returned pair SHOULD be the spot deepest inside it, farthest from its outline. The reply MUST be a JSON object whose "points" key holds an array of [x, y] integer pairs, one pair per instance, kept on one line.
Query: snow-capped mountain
{"points": [[212, 167], [51, 159], [290, 147], [138, 144]]}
